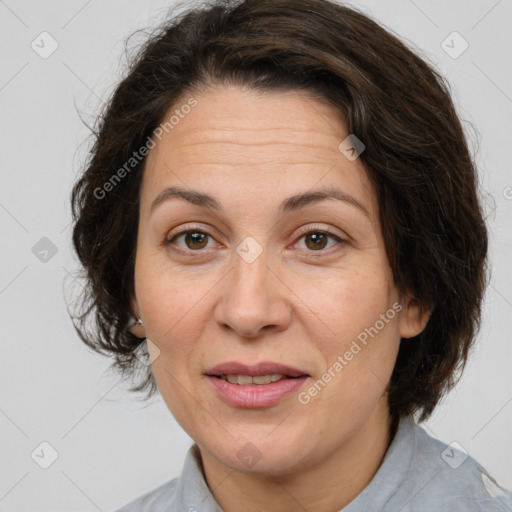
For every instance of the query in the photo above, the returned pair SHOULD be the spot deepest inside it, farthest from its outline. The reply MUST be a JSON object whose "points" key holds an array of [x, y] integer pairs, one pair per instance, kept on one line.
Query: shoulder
{"points": [[156, 500], [445, 475], [188, 492]]}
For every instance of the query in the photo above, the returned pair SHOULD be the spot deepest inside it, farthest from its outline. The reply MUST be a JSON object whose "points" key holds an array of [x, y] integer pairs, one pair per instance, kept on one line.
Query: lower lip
{"points": [[256, 395]]}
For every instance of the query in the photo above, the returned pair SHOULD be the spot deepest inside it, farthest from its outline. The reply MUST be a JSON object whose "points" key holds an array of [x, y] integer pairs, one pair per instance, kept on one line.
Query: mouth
{"points": [[264, 372], [253, 386], [246, 380]]}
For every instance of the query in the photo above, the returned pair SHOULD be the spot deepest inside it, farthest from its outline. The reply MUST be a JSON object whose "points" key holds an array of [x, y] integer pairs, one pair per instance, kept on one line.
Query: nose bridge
{"points": [[250, 272], [253, 298]]}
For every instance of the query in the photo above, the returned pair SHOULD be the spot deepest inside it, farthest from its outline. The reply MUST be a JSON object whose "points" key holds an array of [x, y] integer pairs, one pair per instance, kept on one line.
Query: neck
{"points": [[329, 485]]}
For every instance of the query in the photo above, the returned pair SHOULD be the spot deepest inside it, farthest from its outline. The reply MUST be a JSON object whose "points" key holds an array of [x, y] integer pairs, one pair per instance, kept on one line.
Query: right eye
{"points": [[194, 240]]}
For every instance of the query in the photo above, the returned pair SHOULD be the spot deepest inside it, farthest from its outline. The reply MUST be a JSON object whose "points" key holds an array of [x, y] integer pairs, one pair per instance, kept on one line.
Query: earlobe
{"points": [[414, 318], [136, 327]]}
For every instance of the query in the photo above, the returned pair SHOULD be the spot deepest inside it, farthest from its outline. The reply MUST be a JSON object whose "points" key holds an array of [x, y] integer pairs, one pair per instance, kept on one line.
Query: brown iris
{"points": [[319, 240], [197, 240]]}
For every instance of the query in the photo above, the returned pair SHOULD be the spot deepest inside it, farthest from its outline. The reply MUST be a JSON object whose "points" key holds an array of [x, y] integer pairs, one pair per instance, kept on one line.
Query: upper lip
{"points": [[262, 368]]}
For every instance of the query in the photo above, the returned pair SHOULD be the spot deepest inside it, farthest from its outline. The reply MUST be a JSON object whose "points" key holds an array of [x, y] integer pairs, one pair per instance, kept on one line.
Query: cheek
{"points": [[348, 303], [361, 336], [170, 302]]}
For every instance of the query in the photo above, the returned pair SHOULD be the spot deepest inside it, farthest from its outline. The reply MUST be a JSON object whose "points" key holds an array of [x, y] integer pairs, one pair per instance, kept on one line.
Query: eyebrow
{"points": [[291, 203]]}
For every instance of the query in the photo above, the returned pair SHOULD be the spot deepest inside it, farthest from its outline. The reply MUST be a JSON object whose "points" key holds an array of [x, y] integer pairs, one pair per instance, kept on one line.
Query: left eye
{"points": [[318, 239], [196, 240]]}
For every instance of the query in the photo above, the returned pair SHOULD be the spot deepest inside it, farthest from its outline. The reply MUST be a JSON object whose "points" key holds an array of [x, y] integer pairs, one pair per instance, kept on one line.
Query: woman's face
{"points": [[269, 281]]}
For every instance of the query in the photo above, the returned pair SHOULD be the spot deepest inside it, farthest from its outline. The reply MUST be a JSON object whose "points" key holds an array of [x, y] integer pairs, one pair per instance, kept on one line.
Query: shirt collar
{"points": [[193, 493], [392, 471]]}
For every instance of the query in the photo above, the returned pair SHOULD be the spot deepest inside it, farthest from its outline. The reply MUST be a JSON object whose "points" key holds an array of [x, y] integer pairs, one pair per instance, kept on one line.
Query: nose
{"points": [[254, 299]]}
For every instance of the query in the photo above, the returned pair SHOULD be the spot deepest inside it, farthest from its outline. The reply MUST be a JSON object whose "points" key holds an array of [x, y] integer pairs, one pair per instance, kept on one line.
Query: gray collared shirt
{"points": [[418, 474]]}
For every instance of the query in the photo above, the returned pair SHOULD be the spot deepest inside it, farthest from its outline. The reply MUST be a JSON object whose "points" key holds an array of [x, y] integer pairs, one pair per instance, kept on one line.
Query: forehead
{"points": [[264, 145]]}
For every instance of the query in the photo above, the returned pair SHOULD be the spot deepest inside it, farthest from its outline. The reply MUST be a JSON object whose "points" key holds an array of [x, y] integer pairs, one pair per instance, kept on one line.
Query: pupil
{"points": [[319, 240], [195, 238]]}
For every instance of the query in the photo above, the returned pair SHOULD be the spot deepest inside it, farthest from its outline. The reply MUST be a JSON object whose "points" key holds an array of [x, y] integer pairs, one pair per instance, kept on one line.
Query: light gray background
{"points": [[112, 448]]}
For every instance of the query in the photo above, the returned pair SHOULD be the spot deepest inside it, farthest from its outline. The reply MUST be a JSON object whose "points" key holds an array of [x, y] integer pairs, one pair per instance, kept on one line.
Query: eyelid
{"points": [[189, 227], [324, 228], [303, 230]]}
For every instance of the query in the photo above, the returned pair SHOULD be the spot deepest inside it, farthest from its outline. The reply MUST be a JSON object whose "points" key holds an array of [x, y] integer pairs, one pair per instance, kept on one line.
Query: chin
{"points": [[273, 454]]}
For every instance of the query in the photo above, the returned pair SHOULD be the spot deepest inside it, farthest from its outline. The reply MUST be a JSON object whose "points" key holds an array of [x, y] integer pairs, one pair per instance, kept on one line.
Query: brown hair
{"points": [[416, 157]]}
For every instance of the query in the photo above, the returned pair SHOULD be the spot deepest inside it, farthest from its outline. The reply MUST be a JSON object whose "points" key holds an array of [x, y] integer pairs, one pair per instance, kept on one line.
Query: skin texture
{"points": [[296, 304]]}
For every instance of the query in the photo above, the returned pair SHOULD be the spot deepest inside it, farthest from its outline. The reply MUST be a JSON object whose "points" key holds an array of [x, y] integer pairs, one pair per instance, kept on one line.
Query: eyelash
{"points": [[302, 233]]}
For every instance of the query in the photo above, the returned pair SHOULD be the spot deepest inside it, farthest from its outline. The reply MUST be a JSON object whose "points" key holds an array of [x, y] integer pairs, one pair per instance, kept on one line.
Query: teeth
{"points": [[244, 380]]}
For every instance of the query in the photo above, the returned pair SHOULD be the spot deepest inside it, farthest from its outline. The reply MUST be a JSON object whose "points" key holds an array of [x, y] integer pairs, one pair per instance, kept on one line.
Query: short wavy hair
{"points": [[416, 157]]}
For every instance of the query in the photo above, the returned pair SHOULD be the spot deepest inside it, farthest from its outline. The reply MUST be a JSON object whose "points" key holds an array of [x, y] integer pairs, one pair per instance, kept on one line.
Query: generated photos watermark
{"points": [[343, 360], [141, 153]]}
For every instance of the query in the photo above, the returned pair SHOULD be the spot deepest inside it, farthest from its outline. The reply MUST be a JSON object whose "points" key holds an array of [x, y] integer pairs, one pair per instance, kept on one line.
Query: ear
{"points": [[414, 317], [137, 328]]}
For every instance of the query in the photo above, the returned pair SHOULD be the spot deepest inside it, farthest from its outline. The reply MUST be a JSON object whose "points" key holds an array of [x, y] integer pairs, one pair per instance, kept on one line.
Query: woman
{"points": [[280, 213]]}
